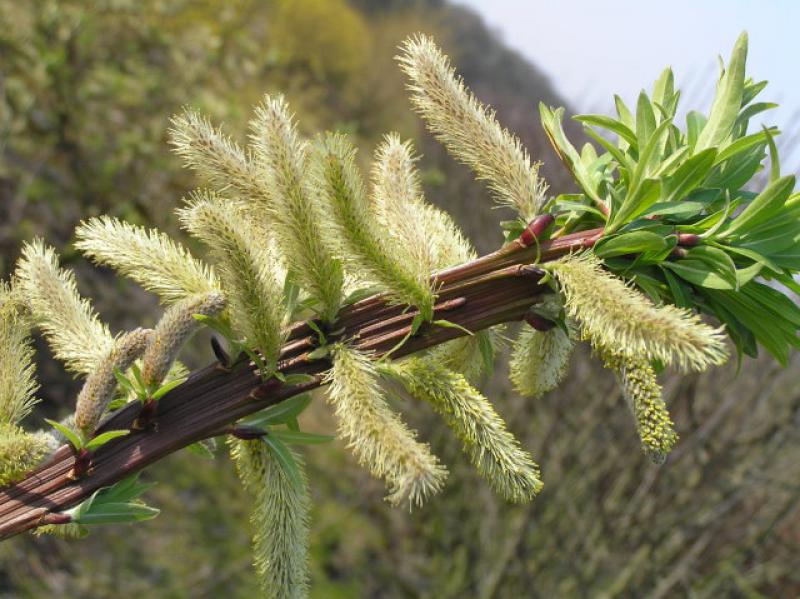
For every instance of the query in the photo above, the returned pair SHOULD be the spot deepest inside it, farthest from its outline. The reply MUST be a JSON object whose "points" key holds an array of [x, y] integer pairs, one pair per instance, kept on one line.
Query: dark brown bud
{"points": [[247, 433], [539, 323], [678, 252], [688, 239], [535, 228]]}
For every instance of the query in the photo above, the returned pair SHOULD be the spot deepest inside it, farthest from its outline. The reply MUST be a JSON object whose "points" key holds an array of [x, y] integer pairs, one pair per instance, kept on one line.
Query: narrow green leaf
{"points": [[201, 449], [766, 205], [70, 435], [774, 160], [104, 438], [280, 413], [116, 513], [452, 325], [636, 242], [688, 176], [695, 123], [300, 438], [645, 120], [610, 124], [728, 99], [285, 458], [166, 388]]}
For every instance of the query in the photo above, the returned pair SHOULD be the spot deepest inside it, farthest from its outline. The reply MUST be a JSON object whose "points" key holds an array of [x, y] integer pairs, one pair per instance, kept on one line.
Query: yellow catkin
{"points": [[17, 373], [172, 331], [20, 452], [357, 234], [539, 360], [147, 256], [250, 271], [214, 156], [279, 519], [617, 316], [493, 450], [99, 388], [69, 323], [643, 395], [379, 439], [281, 158], [469, 129]]}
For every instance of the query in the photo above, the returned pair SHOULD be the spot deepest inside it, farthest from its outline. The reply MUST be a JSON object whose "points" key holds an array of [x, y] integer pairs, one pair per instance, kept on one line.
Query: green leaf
{"points": [[728, 99], [636, 242], [766, 205], [745, 275], [774, 160], [137, 375], [688, 176], [70, 435], [695, 123], [706, 267], [319, 353], [664, 87], [315, 327], [551, 122], [633, 205], [123, 381], [487, 351], [166, 388], [452, 325], [124, 491], [645, 121], [285, 458], [201, 449], [360, 294], [116, 513], [610, 124], [300, 438], [298, 379], [280, 413], [681, 294], [104, 438], [741, 145], [677, 210]]}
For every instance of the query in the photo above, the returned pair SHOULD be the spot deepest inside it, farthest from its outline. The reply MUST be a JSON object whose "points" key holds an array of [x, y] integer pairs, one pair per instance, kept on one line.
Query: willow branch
{"points": [[496, 288]]}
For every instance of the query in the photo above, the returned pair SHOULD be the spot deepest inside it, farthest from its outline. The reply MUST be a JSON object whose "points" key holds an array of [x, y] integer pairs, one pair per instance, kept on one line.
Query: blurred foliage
{"points": [[86, 91]]}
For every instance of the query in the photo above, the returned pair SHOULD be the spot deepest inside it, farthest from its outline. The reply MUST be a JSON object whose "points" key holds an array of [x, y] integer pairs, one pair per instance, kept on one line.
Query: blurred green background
{"points": [[86, 92]]}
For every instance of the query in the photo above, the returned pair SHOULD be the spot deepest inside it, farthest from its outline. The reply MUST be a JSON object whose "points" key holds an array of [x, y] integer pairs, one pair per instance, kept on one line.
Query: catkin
{"points": [[99, 388], [172, 331]]}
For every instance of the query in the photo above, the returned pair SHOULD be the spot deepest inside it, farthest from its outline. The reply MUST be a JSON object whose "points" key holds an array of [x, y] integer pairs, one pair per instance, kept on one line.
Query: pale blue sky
{"points": [[594, 48]]}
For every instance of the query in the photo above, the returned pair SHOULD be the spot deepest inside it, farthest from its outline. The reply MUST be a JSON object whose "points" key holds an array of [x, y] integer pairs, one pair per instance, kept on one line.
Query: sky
{"points": [[592, 49]]}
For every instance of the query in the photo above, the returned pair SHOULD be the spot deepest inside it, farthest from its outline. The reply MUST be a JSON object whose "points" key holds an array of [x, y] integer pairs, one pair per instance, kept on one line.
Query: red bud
{"points": [[535, 228]]}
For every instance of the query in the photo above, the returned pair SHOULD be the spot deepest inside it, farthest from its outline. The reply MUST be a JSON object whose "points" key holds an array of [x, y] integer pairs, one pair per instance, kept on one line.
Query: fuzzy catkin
{"points": [[147, 256], [17, 372], [493, 450], [281, 159], [99, 388], [250, 271], [469, 130], [539, 360], [280, 520], [422, 234], [20, 452], [379, 439], [214, 155], [172, 331], [643, 395], [69, 323], [356, 232], [617, 316]]}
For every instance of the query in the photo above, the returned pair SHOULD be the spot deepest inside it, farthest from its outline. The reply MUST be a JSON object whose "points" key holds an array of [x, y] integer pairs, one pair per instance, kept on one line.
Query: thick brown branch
{"points": [[491, 290]]}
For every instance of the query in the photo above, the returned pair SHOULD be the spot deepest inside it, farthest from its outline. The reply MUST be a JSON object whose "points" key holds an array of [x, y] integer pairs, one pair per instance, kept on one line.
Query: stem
{"points": [[493, 289]]}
